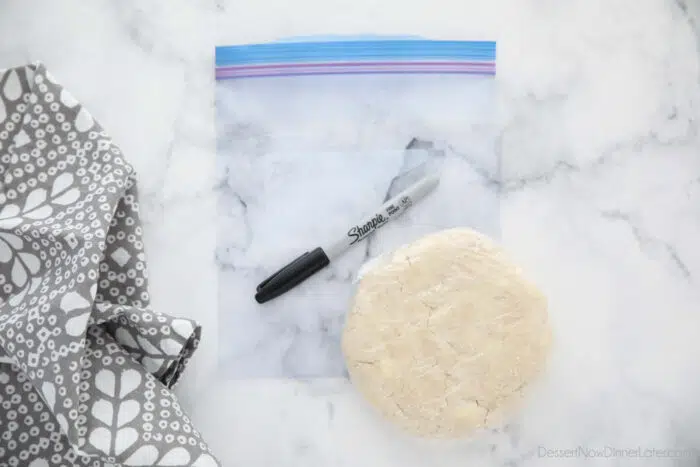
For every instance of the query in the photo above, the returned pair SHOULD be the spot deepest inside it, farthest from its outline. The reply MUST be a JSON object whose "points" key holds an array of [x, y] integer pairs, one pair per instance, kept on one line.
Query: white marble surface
{"points": [[601, 195]]}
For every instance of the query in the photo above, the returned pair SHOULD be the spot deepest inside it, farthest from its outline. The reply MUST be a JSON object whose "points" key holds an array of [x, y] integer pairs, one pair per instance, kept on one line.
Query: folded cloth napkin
{"points": [[86, 366]]}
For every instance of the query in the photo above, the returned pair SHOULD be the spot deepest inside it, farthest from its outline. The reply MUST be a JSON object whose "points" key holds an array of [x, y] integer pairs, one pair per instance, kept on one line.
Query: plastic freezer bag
{"points": [[311, 137]]}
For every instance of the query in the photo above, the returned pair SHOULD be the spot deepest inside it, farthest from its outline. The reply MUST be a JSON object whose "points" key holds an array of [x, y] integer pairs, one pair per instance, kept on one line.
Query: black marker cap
{"points": [[292, 275]]}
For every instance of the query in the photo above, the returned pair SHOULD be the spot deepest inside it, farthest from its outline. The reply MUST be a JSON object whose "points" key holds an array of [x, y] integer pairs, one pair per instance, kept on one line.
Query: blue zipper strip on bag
{"points": [[335, 57]]}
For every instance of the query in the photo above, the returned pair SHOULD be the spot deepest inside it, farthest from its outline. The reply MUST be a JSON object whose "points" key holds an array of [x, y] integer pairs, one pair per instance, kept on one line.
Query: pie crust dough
{"points": [[444, 334]]}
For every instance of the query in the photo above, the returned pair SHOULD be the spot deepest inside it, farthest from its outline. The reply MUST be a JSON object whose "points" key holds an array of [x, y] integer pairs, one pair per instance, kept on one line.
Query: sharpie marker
{"points": [[313, 261]]}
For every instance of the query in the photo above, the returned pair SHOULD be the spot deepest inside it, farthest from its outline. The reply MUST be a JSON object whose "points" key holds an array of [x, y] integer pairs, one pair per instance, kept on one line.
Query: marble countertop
{"points": [[600, 202]]}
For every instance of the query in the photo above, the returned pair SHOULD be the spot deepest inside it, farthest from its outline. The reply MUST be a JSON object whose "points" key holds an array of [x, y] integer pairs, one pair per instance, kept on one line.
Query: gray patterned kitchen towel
{"points": [[86, 366]]}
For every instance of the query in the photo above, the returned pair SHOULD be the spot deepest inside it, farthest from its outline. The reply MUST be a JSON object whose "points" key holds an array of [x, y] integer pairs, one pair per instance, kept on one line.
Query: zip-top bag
{"points": [[314, 134]]}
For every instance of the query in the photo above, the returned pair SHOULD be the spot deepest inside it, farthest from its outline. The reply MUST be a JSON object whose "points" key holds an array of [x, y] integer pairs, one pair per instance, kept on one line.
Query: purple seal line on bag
{"points": [[402, 56]]}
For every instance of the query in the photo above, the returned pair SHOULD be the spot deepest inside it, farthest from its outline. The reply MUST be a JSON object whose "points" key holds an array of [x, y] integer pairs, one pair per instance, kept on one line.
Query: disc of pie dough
{"points": [[444, 334]]}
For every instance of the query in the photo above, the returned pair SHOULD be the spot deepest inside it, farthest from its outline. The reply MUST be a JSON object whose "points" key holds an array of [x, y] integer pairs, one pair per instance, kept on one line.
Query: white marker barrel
{"points": [[389, 211]]}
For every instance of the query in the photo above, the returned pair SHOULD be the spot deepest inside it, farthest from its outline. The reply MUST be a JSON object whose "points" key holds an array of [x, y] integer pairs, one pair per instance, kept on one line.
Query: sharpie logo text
{"points": [[359, 232]]}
